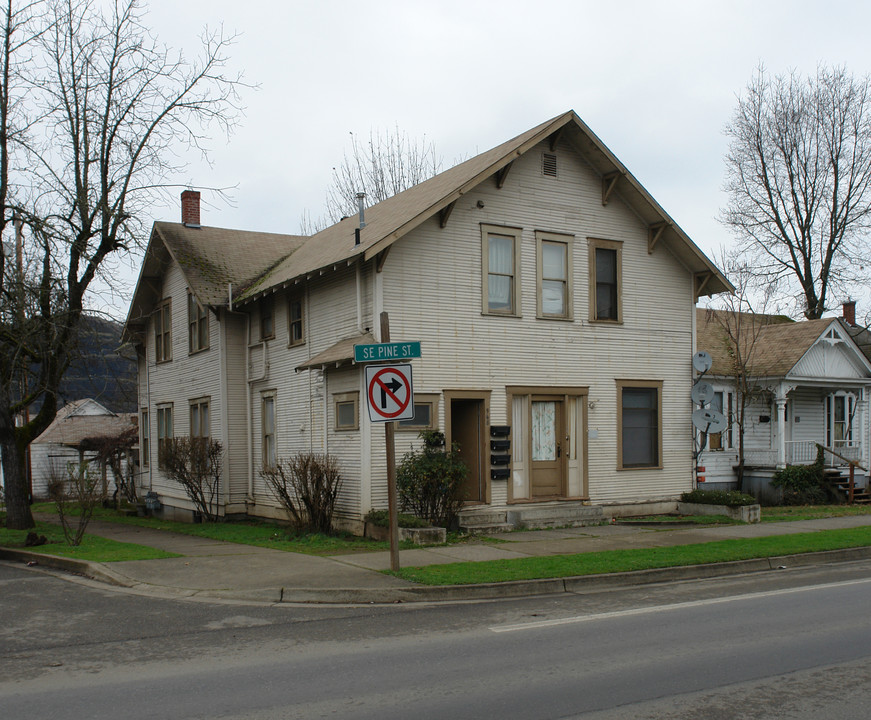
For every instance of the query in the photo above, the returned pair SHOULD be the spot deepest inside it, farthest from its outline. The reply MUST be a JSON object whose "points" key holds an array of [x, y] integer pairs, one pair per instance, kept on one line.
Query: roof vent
{"points": [[548, 164]]}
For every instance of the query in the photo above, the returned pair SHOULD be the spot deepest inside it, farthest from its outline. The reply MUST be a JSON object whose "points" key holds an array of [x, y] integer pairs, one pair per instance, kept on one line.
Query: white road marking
{"points": [[664, 608]]}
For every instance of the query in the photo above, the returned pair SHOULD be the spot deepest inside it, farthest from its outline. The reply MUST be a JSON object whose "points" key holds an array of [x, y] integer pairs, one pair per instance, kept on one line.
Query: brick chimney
{"points": [[849, 311], [190, 208]]}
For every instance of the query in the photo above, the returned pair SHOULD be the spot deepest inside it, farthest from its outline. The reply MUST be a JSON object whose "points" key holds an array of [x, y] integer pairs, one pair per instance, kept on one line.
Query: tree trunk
{"points": [[17, 492]]}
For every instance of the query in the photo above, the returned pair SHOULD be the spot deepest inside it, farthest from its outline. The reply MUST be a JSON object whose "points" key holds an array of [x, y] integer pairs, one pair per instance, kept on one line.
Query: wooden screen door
{"points": [[547, 445]]}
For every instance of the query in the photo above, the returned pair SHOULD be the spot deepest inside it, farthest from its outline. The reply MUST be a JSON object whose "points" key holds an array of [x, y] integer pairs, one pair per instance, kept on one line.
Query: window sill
{"points": [[558, 318], [500, 314]]}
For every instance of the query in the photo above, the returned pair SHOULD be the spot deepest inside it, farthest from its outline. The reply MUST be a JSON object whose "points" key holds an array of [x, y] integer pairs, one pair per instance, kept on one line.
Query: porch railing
{"points": [[800, 452]]}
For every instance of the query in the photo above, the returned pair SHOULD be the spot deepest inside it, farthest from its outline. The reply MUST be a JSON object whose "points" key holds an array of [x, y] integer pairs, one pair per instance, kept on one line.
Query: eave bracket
{"points": [[445, 213], [609, 182], [654, 234], [502, 174]]}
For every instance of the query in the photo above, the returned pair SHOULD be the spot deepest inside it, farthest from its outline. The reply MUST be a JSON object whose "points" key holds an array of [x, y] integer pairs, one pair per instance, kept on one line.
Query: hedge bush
{"points": [[730, 498], [802, 484]]}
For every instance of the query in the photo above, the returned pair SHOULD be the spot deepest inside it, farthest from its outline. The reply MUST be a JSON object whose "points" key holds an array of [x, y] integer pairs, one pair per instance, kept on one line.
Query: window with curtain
{"points": [[500, 272]]}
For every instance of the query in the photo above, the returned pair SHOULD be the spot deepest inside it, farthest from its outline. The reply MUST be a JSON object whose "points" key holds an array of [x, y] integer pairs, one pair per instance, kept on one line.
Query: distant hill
{"points": [[98, 370]]}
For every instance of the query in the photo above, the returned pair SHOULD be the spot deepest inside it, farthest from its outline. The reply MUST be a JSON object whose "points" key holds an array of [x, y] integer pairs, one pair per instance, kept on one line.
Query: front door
{"points": [[547, 451], [467, 430]]}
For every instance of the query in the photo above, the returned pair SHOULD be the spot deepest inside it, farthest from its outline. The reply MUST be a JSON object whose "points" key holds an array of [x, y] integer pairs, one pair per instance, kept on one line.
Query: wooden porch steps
{"points": [[840, 483]]}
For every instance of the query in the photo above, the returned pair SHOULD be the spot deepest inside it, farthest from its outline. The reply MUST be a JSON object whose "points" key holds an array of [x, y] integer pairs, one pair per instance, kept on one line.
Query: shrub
{"points": [[729, 498], [381, 518], [75, 488], [802, 484], [307, 486], [196, 464], [430, 480]]}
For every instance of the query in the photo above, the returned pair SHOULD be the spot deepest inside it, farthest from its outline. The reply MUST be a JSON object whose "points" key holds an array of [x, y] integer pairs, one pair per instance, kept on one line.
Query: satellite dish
{"points": [[703, 392], [702, 361], [709, 421]]}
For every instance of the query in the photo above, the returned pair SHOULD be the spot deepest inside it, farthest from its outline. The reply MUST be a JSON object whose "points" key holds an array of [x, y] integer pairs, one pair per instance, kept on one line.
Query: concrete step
{"points": [[558, 515], [486, 529]]}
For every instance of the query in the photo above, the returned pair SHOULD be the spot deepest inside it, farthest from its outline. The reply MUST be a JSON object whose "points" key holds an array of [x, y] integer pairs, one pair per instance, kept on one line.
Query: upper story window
{"points": [[163, 332], [296, 320], [500, 254], [267, 318], [606, 268], [554, 275], [640, 438], [198, 326]]}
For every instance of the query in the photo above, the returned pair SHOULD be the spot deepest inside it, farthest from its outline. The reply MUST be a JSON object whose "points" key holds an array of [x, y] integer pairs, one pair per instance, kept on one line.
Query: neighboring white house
{"points": [[554, 300], [811, 383], [61, 442]]}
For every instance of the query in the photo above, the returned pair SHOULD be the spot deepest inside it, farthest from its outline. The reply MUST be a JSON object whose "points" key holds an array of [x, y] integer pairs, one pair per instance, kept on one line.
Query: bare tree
{"points": [[739, 324], [108, 114], [798, 176], [388, 163], [197, 465]]}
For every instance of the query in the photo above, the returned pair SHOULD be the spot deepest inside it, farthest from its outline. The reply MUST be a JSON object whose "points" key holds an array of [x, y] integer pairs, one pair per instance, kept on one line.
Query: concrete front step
{"points": [[481, 520], [544, 516]]}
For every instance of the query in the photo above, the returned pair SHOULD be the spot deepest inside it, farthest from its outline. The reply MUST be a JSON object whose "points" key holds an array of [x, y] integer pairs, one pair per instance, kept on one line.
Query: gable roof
{"points": [[71, 426], [780, 345], [389, 220], [257, 263], [211, 259]]}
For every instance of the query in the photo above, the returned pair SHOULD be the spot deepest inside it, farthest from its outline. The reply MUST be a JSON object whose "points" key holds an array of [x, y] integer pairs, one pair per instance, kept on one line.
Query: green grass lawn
{"points": [[254, 532], [93, 548], [784, 513], [613, 561]]}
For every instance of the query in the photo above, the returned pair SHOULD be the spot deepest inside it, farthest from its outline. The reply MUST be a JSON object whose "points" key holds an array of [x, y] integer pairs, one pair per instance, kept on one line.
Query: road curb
{"points": [[454, 593]]}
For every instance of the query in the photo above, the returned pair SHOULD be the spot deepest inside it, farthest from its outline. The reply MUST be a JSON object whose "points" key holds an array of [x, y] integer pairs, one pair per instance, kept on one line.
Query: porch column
{"points": [[864, 439], [780, 402]]}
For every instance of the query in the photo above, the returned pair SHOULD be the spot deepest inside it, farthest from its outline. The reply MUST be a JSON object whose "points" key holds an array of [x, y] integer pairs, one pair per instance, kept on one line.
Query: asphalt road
{"points": [[789, 644]]}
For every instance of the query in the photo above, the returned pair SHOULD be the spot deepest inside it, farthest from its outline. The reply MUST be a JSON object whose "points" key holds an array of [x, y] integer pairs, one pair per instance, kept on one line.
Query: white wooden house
{"points": [[554, 300], [811, 385], [61, 443]]}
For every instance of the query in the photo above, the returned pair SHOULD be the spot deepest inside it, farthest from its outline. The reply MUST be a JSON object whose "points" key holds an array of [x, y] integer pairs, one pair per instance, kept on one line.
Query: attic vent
{"points": [[548, 164]]}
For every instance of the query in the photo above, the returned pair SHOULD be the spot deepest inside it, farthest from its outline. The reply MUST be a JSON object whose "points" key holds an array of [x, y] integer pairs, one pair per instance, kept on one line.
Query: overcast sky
{"points": [[656, 81]]}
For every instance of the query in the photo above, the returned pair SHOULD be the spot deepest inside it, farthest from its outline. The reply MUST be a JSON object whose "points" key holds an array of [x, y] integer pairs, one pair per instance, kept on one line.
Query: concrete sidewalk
{"points": [[220, 570]]}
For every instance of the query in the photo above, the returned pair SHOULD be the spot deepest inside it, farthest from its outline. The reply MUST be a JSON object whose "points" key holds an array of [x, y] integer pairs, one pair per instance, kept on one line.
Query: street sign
{"points": [[379, 352], [389, 392]]}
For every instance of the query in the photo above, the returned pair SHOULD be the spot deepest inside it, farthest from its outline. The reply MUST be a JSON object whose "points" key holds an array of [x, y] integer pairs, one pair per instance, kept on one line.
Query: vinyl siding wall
{"points": [[184, 378], [433, 291]]}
